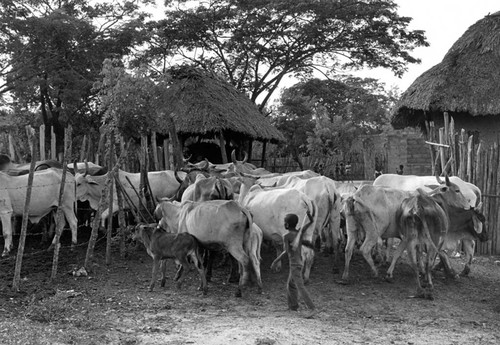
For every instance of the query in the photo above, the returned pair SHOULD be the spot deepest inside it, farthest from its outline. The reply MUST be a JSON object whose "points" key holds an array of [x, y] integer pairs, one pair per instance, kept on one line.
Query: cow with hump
{"points": [[269, 207], [89, 188], [216, 224], [371, 212], [44, 199], [458, 231], [322, 190]]}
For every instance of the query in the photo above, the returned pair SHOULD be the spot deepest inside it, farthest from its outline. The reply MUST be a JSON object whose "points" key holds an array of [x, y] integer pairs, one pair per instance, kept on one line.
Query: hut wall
{"points": [[486, 128]]}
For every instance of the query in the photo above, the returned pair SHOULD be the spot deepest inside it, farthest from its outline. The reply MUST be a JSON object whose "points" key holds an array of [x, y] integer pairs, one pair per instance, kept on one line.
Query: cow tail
{"points": [[427, 234]]}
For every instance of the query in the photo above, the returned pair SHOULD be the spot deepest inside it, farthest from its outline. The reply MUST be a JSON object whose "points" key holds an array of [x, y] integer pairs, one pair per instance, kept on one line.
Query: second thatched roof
{"points": [[206, 105], [466, 81]]}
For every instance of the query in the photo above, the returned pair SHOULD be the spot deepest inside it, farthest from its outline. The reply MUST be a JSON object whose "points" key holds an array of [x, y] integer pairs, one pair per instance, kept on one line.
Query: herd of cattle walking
{"points": [[236, 206]]}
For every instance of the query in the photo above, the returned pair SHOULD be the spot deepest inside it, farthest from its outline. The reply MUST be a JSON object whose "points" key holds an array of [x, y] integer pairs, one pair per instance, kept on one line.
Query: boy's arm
{"points": [[298, 240]]}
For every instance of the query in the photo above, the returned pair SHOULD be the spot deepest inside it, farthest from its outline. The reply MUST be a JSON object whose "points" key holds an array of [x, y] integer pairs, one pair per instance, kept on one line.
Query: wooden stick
{"points": [[111, 155], [24, 226], [436, 144], [60, 219], [53, 149], [42, 142]]}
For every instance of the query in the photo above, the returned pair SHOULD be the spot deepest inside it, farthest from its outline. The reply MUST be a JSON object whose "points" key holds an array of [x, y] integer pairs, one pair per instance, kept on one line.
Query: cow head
{"points": [[88, 189], [186, 182], [169, 213], [450, 194]]}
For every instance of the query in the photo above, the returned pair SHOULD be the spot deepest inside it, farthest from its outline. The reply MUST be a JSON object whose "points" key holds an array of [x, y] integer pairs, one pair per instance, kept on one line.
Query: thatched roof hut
{"points": [[208, 107], [465, 84]]}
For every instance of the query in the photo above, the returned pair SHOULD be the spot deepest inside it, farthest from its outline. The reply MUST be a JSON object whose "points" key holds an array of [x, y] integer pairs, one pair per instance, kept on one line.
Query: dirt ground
{"points": [[112, 305]]}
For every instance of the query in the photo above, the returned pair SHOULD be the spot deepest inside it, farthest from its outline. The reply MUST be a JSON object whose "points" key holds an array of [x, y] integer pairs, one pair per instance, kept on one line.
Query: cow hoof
{"points": [[465, 272], [237, 294], [205, 291], [343, 281], [150, 289], [389, 279]]}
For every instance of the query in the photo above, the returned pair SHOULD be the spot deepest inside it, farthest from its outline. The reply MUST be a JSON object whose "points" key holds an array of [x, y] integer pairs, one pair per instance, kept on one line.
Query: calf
{"points": [[423, 224], [162, 245]]}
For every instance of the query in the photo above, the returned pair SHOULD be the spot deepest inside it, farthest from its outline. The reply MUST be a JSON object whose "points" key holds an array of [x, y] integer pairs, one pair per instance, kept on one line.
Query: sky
{"points": [[444, 22]]}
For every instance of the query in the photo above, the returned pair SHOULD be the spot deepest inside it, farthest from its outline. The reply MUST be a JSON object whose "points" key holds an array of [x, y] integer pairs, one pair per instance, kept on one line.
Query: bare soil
{"points": [[112, 305]]}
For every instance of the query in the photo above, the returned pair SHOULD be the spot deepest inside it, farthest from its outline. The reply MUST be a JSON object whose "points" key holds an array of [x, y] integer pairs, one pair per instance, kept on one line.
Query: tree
{"points": [[52, 51], [134, 104], [255, 44], [324, 117]]}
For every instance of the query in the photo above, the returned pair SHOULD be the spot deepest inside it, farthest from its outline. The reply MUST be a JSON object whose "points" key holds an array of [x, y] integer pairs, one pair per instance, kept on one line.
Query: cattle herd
{"points": [[234, 207]]}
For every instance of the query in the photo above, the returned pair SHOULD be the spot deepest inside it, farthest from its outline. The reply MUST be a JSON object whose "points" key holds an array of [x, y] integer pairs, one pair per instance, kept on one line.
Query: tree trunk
{"points": [[176, 144]]}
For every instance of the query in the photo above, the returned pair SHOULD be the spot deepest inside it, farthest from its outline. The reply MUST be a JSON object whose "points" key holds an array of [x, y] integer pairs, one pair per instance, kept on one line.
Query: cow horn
{"points": [[233, 156], [177, 176], [75, 169], [86, 168], [187, 159], [438, 179], [245, 159], [447, 179]]}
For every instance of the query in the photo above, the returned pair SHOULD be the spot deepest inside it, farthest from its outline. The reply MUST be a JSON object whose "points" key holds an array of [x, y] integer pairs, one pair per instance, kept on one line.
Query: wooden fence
{"points": [[459, 154]]}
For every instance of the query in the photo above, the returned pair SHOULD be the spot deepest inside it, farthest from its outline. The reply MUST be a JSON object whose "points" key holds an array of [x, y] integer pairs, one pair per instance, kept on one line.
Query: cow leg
{"points": [[163, 266], [156, 263], [412, 256], [183, 270], [208, 262], [399, 250], [349, 248], [244, 261], [197, 261], [366, 250], [7, 233], [234, 274], [445, 262], [308, 256], [429, 263], [468, 246], [256, 268]]}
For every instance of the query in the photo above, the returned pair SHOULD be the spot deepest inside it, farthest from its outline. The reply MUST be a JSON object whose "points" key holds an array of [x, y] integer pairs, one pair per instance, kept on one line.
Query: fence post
{"points": [[24, 226], [60, 219], [42, 142]]}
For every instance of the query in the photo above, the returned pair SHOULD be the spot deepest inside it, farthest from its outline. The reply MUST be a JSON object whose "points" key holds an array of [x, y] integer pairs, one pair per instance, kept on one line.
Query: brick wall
{"points": [[403, 147]]}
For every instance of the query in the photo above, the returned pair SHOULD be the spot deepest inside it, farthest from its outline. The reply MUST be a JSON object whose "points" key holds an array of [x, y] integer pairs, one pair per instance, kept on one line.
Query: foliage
{"points": [[52, 51], [255, 44], [128, 101], [326, 116]]}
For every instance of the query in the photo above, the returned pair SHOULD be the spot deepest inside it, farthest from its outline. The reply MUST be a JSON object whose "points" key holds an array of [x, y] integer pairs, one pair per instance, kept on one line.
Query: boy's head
{"points": [[291, 221]]}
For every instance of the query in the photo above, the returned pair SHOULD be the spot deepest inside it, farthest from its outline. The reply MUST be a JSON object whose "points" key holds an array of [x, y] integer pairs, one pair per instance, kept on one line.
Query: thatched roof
{"points": [[206, 105], [466, 81]]}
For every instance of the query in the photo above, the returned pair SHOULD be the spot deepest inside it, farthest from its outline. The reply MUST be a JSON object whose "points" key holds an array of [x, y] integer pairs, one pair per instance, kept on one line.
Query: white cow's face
{"points": [[87, 189]]}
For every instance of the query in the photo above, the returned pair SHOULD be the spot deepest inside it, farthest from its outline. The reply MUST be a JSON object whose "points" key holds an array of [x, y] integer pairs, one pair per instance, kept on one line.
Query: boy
{"points": [[295, 283]]}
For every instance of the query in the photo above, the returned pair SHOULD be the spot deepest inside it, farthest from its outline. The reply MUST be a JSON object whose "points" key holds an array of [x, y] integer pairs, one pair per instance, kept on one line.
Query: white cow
{"points": [[44, 199], [269, 207], [471, 193], [163, 185]]}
